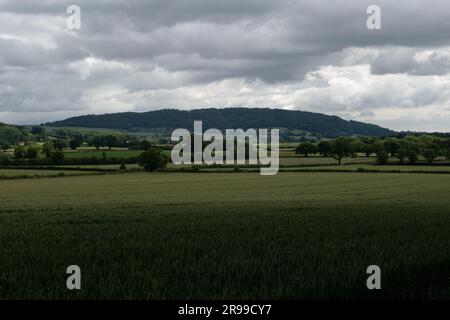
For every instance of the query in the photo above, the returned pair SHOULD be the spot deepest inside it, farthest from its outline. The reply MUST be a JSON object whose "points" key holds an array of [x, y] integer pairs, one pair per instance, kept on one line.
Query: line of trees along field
{"points": [[406, 149], [38, 145]]}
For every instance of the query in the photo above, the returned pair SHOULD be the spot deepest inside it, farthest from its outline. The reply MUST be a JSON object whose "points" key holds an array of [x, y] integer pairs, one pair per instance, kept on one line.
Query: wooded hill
{"points": [[228, 118]]}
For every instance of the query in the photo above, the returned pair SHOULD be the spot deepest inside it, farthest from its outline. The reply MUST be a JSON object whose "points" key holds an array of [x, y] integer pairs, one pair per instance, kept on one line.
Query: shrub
{"points": [[153, 160], [429, 155], [57, 157], [412, 157], [382, 157], [19, 152]]}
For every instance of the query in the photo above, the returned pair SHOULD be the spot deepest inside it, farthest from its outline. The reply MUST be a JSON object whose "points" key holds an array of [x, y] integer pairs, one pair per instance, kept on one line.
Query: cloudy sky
{"points": [[314, 55]]}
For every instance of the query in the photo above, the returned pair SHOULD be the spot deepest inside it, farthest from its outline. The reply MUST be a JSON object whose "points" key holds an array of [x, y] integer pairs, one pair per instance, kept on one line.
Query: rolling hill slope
{"points": [[328, 126]]}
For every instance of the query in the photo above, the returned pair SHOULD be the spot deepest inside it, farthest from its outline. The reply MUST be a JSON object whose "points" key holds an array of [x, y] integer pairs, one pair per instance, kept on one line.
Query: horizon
{"points": [[217, 108]]}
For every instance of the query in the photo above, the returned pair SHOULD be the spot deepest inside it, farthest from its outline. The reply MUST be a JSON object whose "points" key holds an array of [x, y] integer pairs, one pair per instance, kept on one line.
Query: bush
{"points": [[57, 157], [382, 157], [429, 155], [4, 158], [306, 148], [412, 157], [19, 152], [153, 160], [31, 152]]}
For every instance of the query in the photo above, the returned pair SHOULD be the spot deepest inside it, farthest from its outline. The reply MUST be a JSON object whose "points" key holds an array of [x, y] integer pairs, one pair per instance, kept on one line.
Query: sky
{"points": [[311, 55]]}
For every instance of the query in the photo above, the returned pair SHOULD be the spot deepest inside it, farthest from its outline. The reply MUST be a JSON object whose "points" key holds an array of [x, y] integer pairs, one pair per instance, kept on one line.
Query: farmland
{"points": [[228, 235], [30, 173], [102, 153]]}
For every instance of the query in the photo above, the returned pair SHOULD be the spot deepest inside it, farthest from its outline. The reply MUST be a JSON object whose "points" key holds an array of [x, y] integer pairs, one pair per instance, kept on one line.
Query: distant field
{"points": [[99, 154], [103, 166], [32, 173], [321, 161], [383, 167], [237, 235]]}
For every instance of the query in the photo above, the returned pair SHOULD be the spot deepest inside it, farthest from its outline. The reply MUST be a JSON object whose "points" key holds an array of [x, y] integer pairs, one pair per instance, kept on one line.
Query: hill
{"points": [[327, 126]]}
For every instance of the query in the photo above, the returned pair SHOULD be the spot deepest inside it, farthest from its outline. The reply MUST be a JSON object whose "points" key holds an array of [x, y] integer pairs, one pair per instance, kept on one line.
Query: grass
{"points": [[403, 168], [11, 173], [99, 154], [237, 235], [102, 166], [313, 161]]}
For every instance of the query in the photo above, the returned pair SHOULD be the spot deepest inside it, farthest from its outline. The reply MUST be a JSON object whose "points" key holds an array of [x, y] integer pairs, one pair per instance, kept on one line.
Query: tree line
{"points": [[406, 149]]}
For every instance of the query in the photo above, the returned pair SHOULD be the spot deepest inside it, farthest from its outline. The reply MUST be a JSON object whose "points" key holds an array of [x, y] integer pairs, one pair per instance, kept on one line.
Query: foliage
{"points": [[57, 156], [382, 157], [60, 144], [31, 152], [340, 148], [19, 152], [324, 148], [48, 148], [153, 159], [328, 126], [306, 148], [429, 155]]}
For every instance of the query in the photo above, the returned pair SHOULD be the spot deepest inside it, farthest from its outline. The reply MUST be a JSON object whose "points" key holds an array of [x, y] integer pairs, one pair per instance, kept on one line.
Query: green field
{"points": [[99, 154], [383, 168], [236, 235], [302, 161], [9, 173]]}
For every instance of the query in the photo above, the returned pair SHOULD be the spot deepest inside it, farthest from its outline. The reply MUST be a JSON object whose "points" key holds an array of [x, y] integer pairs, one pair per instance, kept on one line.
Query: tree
{"points": [[340, 148], [75, 143], [382, 157], [153, 159], [11, 134], [4, 144], [324, 148], [110, 141], [48, 148], [392, 145], [401, 155], [306, 148], [447, 153], [412, 157], [19, 152], [4, 158], [145, 145], [368, 149], [97, 141], [31, 152], [57, 156], [356, 146], [429, 155], [39, 132], [60, 144]]}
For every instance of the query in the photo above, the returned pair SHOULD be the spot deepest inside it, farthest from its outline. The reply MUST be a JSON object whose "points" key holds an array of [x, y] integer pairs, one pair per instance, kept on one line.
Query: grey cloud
{"points": [[161, 48]]}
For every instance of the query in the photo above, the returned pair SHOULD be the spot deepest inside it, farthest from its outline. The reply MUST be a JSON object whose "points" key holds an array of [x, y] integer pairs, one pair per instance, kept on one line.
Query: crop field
{"points": [[228, 235]]}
